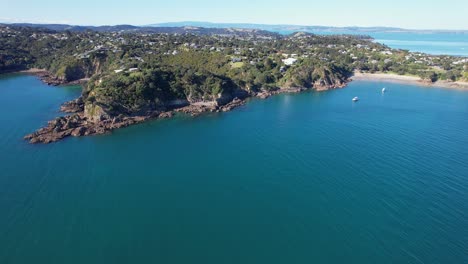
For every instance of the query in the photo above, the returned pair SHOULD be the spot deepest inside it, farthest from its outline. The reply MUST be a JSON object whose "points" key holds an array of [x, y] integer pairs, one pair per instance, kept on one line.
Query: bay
{"points": [[296, 178], [435, 43]]}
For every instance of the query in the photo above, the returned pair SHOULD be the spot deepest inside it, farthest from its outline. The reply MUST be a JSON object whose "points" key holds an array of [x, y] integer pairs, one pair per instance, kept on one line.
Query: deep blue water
{"points": [[440, 43], [304, 178]]}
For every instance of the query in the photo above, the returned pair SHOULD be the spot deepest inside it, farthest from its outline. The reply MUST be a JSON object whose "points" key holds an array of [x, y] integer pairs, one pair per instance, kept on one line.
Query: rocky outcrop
{"points": [[203, 107], [327, 84], [94, 120], [331, 77], [73, 106], [59, 128], [95, 112], [79, 125], [266, 94], [263, 94], [224, 99], [231, 105], [196, 109], [51, 79]]}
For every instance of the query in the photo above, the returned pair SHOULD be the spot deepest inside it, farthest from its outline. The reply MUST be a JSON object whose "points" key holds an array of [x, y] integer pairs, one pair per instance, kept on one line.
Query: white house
{"points": [[289, 61]]}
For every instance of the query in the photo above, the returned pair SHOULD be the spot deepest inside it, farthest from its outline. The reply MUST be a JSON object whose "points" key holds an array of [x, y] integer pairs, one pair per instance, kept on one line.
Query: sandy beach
{"points": [[34, 70], [387, 77]]}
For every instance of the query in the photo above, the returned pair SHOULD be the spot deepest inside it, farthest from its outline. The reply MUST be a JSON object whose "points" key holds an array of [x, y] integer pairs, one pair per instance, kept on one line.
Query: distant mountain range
{"points": [[220, 28]]}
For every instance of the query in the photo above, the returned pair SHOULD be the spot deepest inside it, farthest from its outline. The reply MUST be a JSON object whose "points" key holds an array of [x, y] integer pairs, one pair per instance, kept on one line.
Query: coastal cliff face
{"points": [[330, 79], [76, 69], [318, 77], [95, 113], [71, 72]]}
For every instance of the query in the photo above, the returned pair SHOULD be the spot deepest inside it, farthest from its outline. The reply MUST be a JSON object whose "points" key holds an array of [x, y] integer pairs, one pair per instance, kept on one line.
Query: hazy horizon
{"points": [[447, 15], [223, 23]]}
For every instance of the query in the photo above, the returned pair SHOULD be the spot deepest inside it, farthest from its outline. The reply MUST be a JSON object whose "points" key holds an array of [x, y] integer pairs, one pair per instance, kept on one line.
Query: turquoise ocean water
{"points": [[304, 178], [438, 43]]}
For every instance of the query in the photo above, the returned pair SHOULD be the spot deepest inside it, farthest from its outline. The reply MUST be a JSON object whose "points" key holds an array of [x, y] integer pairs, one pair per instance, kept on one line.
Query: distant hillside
{"points": [[147, 29], [63, 27], [289, 28], [227, 28]]}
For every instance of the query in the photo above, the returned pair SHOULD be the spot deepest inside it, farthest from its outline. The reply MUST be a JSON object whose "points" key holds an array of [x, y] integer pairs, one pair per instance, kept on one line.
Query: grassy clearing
{"points": [[237, 64]]}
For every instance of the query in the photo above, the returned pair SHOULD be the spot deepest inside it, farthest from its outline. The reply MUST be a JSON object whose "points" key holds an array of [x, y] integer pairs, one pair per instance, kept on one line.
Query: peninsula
{"points": [[132, 74]]}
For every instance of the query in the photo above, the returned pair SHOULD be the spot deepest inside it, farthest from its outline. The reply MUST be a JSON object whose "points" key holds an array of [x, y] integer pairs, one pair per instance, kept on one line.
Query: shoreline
{"points": [[406, 79], [33, 71], [48, 78], [77, 124]]}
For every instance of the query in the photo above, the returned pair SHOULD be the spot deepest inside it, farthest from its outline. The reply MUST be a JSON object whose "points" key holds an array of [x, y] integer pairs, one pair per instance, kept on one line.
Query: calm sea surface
{"points": [[305, 178], [445, 43]]}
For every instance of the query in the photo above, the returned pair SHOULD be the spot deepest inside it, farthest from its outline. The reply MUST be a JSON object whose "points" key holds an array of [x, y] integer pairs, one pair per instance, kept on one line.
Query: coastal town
{"points": [[251, 47]]}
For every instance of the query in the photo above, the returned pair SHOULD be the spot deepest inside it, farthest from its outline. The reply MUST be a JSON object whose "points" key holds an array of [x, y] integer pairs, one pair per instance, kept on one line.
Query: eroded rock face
{"points": [[233, 104], [73, 106], [165, 115], [95, 113], [57, 129], [79, 125], [50, 79], [327, 84], [196, 109], [263, 94], [200, 108], [92, 120], [78, 132]]}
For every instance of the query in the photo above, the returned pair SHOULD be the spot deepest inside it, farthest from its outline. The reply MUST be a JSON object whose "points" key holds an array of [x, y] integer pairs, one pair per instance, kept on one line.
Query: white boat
{"points": [[355, 99], [384, 89]]}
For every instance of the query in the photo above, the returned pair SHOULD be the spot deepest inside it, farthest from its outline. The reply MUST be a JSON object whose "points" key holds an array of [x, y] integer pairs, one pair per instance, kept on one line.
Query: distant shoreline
{"points": [[388, 77], [33, 71], [50, 79], [357, 76]]}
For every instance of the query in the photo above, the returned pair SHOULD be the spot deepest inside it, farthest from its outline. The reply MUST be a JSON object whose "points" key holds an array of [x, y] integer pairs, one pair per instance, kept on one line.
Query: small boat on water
{"points": [[355, 99], [384, 90]]}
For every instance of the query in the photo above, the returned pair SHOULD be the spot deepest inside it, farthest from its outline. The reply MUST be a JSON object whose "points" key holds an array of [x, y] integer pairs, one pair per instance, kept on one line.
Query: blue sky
{"points": [[418, 14]]}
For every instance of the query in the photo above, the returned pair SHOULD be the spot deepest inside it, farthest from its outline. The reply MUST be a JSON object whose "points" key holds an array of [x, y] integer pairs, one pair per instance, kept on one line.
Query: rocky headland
{"points": [[84, 121]]}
